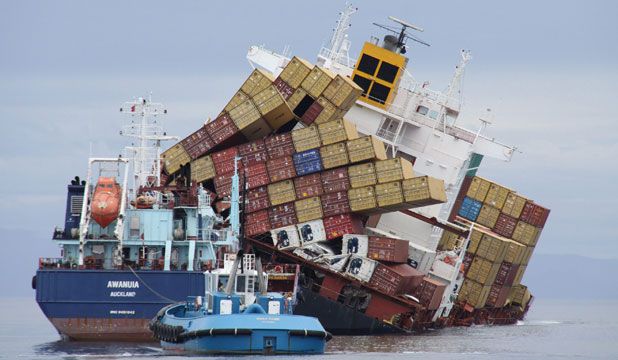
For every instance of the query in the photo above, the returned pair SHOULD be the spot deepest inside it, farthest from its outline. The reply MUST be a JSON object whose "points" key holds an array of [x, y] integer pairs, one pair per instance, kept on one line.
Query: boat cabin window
{"points": [[222, 283], [433, 114], [423, 110]]}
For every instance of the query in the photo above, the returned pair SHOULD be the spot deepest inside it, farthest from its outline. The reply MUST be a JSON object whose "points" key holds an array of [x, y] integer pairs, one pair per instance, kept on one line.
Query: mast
{"points": [[339, 45]]}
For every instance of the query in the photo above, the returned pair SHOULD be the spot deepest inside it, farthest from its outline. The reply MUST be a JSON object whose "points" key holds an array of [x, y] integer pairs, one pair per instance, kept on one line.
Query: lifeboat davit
{"points": [[105, 203]]}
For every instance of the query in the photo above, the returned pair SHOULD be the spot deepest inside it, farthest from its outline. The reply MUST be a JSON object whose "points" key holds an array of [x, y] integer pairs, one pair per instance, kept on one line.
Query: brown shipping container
{"points": [[526, 234], [299, 102], [534, 214], [362, 175], [393, 170], [256, 82], [335, 180], [478, 188], [238, 98], [339, 225], [284, 88], [506, 273], [388, 249], [488, 216], [317, 81], [308, 209], [390, 196], [202, 169], [311, 113], [198, 143], [282, 215], [496, 195], [514, 252], [273, 107], [308, 186], [222, 130], [257, 175], [306, 138], [223, 184], [505, 225], [337, 131], [281, 192], [498, 296], [514, 204], [257, 199], [281, 168], [334, 155], [174, 158], [342, 92], [366, 148], [296, 71], [257, 223], [329, 111], [483, 271], [474, 293], [492, 248], [423, 191], [430, 292], [363, 199], [224, 161], [335, 203], [279, 145], [253, 152], [396, 279]]}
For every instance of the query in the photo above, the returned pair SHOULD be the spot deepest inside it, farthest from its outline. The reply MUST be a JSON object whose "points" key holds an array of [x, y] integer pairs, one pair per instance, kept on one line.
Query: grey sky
{"points": [[547, 69]]}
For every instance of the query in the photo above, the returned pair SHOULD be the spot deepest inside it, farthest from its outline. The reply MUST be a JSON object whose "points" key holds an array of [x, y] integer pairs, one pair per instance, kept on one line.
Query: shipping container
{"points": [[361, 268], [387, 249], [306, 138], [363, 199], [498, 296], [470, 208], [273, 107], [488, 216], [335, 131], [281, 192], [507, 272], [202, 169], [342, 92], [238, 98], [395, 279], [222, 130], [256, 175], [505, 225], [281, 168], [389, 196], [334, 203], [279, 145], [245, 114], [496, 195], [448, 241], [312, 112], [475, 239], [514, 204], [366, 148], [527, 255], [284, 88], [311, 231], [174, 158], [478, 189], [520, 295], [225, 160], [420, 258], [253, 152], [339, 225], [329, 111], [474, 294], [534, 214], [296, 71], [520, 274], [317, 81], [492, 248], [307, 162], [362, 175], [256, 223], [483, 271], [308, 186], [526, 234], [257, 199], [396, 169], [300, 102], [256, 82], [308, 209], [335, 180], [286, 238], [334, 155], [355, 244], [514, 252], [223, 184], [282, 215], [198, 143], [430, 292], [423, 191]]}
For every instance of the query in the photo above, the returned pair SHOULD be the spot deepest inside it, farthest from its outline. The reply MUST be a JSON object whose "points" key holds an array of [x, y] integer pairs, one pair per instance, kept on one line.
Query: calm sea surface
{"points": [[553, 329]]}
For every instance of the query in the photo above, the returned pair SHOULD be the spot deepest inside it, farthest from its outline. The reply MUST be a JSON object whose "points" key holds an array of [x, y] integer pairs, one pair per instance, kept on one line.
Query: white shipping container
{"points": [[311, 231], [420, 257], [334, 262], [355, 244], [286, 237], [313, 251], [361, 268]]}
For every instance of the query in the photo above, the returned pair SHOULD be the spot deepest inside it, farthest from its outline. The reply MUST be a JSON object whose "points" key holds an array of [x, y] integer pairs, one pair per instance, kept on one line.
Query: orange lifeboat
{"points": [[105, 203]]}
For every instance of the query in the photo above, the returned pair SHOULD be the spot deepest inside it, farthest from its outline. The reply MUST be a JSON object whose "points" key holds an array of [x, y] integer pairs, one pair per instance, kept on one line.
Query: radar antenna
{"points": [[402, 35]]}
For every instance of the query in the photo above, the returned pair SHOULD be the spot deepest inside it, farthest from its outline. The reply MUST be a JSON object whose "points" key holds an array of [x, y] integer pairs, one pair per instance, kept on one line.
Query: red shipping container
{"points": [[198, 143], [284, 89], [308, 186], [279, 145], [498, 295], [223, 129], [387, 249], [224, 161], [339, 225], [253, 152], [395, 279], [506, 274], [335, 203], [256, 223], [281, 168], [430, 292], [335, 180], [257, 199], [312, 113], [223, 184], [505, 225], [256, 175], [534, 214], [282, 215]]}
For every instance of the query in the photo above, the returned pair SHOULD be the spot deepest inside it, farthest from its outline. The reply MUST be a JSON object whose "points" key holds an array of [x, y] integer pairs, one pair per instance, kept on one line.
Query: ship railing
{"points": [[53, 263]]}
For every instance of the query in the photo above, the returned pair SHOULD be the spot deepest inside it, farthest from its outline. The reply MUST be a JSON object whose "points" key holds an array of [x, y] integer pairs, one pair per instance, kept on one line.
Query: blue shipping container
{"points": [[470, 209], [307, 162]]}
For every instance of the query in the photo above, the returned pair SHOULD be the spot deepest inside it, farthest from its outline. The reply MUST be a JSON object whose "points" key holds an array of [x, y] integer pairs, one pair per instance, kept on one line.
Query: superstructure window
{"points": [[379, 93], [368, 64], [387, 72], [423, 110], [364, 83]]}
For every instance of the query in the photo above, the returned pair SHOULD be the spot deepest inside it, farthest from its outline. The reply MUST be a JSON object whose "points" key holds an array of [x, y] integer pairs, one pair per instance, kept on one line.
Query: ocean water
{"points": [[553, 329]]}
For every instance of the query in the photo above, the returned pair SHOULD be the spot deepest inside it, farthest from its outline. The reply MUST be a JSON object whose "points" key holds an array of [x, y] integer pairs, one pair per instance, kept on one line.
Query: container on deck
{"points": [[281, 168], [224, 161], [505, 225], [256, 82], [526, 234], [286, 238], [174, 158], [311, 231], [514, 204], [284, 88], [395, 169], [238, 98], [281, 192], [361, 268], [492, 248], [514, 252], [423, 191], [498, 296], [366, 148], [507, 272], [253, 152], [420, 258], [308, 209], [339, 225], [488, 216], [335, 203], [478, 189], [335, 180], [223, 184], [308, 186], [317, 81], [307, 162], [396, 279], [198, 143], [296, 71], [300, 102], [273, 107], [279, 145], [282, 215], [470, 209], [355, 244], [496, 195], [342, 92], [334, 155], [483, 271], [389, 196], [337, 131], [362, 175], [387, 249], [430, 292], [257, 199], [202, 169], [328, 111], [257, 175], [306, 138], [363, 199], [474, 293], [222, 130], [534, 214], [256, 223]]}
